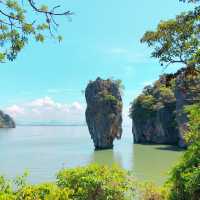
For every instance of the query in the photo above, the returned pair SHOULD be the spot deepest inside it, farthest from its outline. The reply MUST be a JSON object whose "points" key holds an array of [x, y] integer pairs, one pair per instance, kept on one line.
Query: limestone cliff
{"points": [[158, 113], [104, 112], [187, 92], [6, 121]]}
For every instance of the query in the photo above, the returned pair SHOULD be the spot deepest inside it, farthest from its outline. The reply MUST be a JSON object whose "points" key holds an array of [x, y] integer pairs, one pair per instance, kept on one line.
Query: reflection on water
{"points": [[45, 150], [107, 157]]}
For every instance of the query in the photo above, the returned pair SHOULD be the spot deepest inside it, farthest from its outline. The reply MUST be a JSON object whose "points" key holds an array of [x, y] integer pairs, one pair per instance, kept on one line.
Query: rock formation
{"points": [[158, 113], [6, 121], [104, 112], [187, 92]]}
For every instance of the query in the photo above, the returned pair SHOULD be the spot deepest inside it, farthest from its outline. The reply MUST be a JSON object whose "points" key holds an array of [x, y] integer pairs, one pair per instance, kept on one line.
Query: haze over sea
{"points": [[43, 150]]}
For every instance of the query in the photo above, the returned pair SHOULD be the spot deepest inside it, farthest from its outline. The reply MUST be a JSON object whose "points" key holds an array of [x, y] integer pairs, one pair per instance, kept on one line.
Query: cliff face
{"points": [[104, 112], [187, 92], [158, 129], [6, 121], [158, 113]]}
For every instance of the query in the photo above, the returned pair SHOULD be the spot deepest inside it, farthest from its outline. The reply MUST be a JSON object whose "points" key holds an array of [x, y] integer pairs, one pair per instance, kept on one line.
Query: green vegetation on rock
{"points": [[152, 99], [110, 99], [143, 107], [153, 114]]}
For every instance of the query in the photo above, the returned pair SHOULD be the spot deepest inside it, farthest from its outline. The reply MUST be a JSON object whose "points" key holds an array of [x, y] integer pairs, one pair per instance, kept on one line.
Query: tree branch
{"points": [[52, 13]]}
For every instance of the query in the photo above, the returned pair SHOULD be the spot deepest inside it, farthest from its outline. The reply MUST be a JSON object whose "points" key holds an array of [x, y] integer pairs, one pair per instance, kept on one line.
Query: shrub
{"points": [[193, 133], [143, 107], [5, 186], [7, 197], [110, 98], [184, 182], [166, 94], [95, 182], [46, 191], [150, 191], [92, 182]]}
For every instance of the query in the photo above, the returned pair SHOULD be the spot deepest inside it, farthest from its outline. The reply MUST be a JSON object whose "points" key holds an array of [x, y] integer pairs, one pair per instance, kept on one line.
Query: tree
{"points": [[19, 21], [189, 1], [92, 182], [184, 182], [193, 133], [176, 40]]}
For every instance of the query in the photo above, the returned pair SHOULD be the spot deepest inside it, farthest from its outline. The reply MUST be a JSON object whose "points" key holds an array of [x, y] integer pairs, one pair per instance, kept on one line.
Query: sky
{"points": [[102, 39]]}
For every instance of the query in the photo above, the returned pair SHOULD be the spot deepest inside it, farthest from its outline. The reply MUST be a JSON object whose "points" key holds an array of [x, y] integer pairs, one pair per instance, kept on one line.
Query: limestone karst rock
{"points": [[104, 112], [6, 121], [153, 115], [187, 92], [158, 113]]}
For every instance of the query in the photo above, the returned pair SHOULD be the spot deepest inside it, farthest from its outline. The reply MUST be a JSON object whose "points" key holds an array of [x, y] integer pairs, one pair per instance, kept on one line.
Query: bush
{"points": [[46, 191], [95, 182], [150, 191], [83, 183], [110, 98], [193, 134], [143, 107], [184, 183], [166, 94], [152, 99]]}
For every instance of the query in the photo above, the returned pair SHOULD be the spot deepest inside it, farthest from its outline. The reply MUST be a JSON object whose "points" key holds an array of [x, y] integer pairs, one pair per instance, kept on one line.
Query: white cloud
{"points": [[76, 106], [14, 110], [46, 109], [46, 101]]}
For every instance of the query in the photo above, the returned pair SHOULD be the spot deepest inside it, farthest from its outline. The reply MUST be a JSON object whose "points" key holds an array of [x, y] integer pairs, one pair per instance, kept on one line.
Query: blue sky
{"points": [[103, 39]]}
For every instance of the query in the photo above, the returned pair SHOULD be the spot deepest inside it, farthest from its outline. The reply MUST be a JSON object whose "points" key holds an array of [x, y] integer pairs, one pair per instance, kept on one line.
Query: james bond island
{"points": [[104, 112]]}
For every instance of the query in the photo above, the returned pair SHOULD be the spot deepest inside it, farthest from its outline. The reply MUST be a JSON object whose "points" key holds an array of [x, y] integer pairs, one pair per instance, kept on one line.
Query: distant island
{"points": [[49, 123], [6, 121]]}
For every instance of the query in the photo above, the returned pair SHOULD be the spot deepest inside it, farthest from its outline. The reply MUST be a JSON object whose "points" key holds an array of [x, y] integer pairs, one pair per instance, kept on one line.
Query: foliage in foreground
{"points": [[84, 183], [150, 191], [185, 179], [184, 183], [21, 20], [176, 40]]}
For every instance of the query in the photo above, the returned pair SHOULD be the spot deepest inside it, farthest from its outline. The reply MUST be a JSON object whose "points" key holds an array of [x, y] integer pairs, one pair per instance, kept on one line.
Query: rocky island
{"points": [[158, 115], [104, 112], [6, 121]]}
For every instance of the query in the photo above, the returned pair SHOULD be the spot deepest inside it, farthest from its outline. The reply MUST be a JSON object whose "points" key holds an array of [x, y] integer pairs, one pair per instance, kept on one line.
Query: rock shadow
{"points": [[170, 148]]}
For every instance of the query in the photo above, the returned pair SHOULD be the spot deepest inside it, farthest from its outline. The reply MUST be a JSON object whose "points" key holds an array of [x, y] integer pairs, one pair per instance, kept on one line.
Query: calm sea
{"points": [[43, 150]]}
